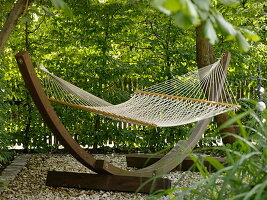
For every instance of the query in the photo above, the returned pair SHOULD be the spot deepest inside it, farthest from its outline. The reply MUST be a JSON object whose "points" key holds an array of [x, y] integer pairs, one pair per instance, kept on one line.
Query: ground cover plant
{"points": [[245, 174]]}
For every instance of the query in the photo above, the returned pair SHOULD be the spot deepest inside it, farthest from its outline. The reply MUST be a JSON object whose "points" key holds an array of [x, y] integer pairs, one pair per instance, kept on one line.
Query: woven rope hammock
{"points": [[194, 96], [181, 100]]}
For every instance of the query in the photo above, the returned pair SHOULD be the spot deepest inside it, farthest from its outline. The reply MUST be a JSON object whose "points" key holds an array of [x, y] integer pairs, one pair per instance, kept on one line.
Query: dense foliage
{"points": [[111, 49], [5, 155], [245, 174]]}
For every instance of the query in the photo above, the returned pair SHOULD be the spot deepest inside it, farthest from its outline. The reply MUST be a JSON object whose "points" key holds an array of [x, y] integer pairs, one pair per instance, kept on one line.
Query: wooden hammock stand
{"points": [[108, 176]]}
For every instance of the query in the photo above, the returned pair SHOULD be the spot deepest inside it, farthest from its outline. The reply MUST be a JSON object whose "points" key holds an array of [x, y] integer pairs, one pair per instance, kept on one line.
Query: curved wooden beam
{"points": [[49, 115], [163, 166]]}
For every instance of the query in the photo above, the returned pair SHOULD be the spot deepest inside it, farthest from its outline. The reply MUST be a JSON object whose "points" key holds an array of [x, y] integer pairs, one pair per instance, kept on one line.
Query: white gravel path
{"points": [[30, 182]]}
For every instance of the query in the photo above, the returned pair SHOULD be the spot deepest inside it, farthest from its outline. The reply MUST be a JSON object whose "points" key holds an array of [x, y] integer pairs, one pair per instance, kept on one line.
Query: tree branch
{"points": [[18, 9], [38, 26], [153, 31]]}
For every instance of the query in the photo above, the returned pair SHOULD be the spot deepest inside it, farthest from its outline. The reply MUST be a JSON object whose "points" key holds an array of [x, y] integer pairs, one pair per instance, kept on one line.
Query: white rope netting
{"points": [[197, 95]]}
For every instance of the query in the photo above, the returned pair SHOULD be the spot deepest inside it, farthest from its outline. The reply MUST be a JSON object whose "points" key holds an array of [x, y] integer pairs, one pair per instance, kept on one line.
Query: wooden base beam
{"points": [[140, 160], [107, 182]]}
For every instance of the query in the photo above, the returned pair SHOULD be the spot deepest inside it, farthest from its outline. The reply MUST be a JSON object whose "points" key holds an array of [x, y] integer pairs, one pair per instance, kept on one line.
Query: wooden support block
{"points": [[107, 182], [140, 160]]}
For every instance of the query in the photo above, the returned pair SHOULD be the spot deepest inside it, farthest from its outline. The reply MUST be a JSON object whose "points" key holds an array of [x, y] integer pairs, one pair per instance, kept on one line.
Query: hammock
{"points": [[181, 100]]}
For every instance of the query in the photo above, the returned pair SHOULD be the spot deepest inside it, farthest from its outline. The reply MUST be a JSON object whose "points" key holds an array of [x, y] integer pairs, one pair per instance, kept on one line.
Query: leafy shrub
{"points": [[245, 177], [5, 155]]}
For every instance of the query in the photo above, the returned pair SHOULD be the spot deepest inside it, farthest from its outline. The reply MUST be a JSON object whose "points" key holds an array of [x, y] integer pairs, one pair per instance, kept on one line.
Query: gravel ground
{"points": [[30, 183]]}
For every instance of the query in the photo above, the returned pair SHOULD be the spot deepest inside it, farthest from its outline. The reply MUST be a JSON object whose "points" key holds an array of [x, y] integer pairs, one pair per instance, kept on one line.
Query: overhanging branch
{"points": [[18, 9]]}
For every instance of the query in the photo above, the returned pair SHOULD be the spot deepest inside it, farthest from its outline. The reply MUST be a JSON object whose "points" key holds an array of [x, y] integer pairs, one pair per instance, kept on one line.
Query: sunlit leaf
{"points": [[229, 2], [159, 5], [225, 27], [203, 4], [173, 5], [209, 32], [190, 10], [251, 35], [203, 15], [242, 42], [215, 163]]}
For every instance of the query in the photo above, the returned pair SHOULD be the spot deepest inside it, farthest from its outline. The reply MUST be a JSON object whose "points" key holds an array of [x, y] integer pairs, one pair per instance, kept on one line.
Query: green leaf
{"points": [[60, 4], [200, 166], [187, 16], [191, 11], [225, 27], [209, 32], [233, 120], [203, 4], [214, 162], [203, 15], [181, 20], [159, 4], [230, 2], [25, 19], [251, 36], [242, 42], [173, 5], [38, 13], [48, 11]]}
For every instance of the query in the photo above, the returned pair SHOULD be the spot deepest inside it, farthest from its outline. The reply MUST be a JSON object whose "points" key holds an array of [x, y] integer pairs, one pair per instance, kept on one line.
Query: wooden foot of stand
{"points": [[106, 182], [139, 160]]}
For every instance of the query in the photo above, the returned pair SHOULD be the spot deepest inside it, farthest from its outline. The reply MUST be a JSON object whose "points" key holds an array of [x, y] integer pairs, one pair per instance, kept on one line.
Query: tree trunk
{"points": [[205, 56], [19, 8]]}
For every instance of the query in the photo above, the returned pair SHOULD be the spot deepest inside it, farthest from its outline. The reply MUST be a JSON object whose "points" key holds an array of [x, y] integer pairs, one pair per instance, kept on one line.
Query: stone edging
{"points": [[12, 170]]}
